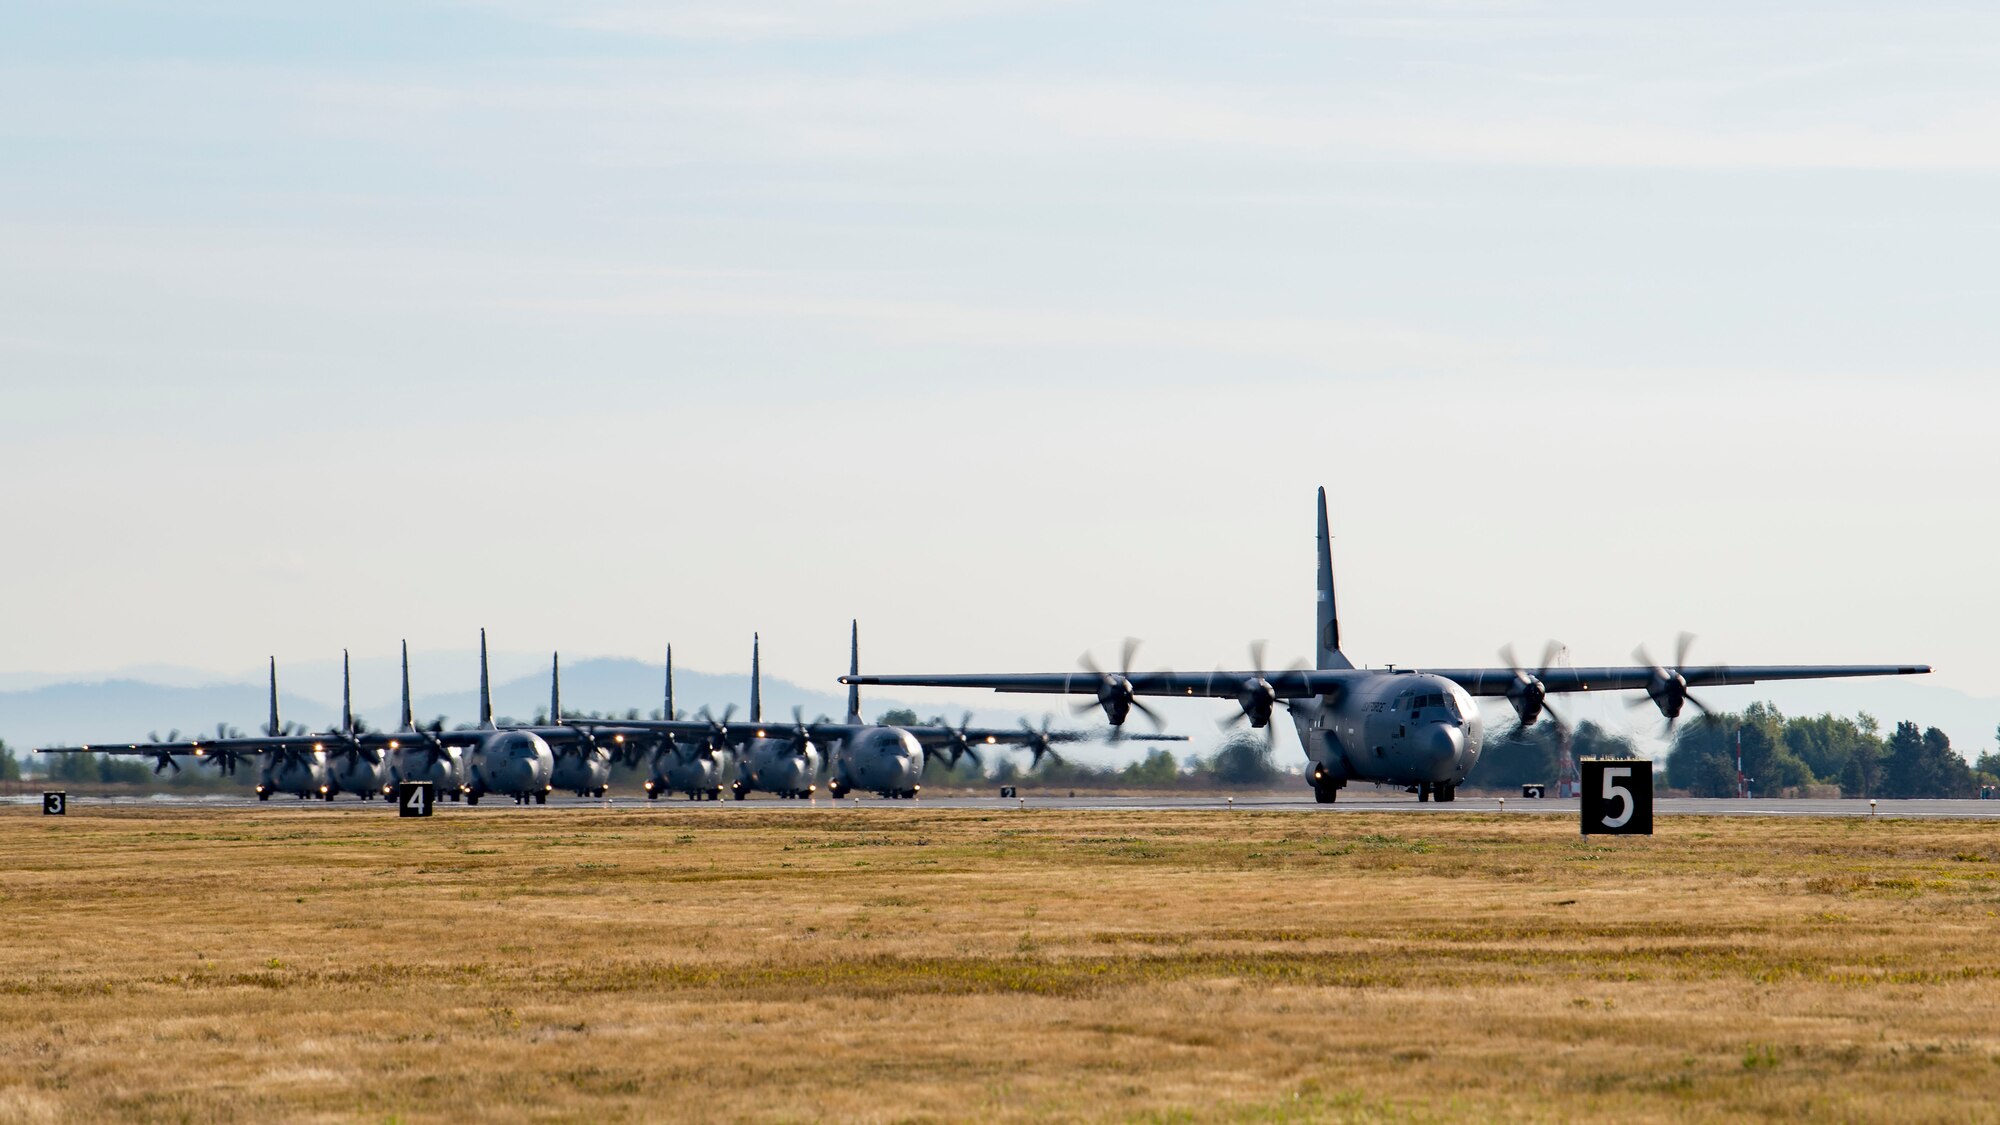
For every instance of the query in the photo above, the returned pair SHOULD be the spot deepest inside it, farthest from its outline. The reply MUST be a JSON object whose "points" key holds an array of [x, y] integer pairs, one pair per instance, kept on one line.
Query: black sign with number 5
{"points": [[1617, 796]]}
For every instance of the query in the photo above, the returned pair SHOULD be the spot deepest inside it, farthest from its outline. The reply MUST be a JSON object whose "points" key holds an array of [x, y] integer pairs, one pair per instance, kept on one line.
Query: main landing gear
{"points": [[1443, 792], [1325, 786]]}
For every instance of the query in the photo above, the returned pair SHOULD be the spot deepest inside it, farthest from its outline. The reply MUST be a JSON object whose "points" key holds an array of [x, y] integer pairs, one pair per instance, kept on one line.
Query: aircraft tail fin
{"points": [[273, 727], [346, 696], [669, 714], [756, 684], [485, 687], [1327, 642], [555, 688], [853, 670], [409, 720]]}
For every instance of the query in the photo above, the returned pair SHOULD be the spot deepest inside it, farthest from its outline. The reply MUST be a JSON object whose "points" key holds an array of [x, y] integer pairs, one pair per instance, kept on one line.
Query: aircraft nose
{"points": [[1442, 743]]}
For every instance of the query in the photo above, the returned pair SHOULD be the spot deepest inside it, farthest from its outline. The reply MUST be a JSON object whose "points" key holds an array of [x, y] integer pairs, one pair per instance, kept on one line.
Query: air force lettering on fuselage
{"points": [[1418, 728]]}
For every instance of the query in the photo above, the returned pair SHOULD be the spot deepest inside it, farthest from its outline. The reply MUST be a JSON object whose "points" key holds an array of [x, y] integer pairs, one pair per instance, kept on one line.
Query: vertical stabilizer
{"points": [[485, 687], [272, 727], [346, 696], [1328, 635], [756, 684], [669, 713], [555, 688], [409, 720], [853, 670]]}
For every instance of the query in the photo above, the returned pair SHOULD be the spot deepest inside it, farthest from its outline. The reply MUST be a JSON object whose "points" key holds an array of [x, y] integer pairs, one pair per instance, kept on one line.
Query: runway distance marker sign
{"points": [[415, 798], [1617, 796]]}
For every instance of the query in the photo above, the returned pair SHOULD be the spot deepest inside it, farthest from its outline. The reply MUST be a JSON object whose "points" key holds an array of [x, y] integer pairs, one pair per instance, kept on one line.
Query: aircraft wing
{"points": [[1193, 685], [1499, 681], [193, 748], [1299, 684]]}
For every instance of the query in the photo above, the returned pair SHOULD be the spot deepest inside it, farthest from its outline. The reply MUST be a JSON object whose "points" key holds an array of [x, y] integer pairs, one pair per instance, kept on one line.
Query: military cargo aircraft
{"points": [[784, 758], [286, 762], [1412, 727], [419, 754], [694, 766], [354, 764]]}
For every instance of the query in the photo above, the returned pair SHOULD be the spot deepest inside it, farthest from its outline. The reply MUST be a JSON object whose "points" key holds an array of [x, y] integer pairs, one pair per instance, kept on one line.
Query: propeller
{"points": [[717, 738], [801, 735], [1114, 690], [1039, 743], [163, 761], [961, 744], [224, 759], [1257, 697], [1528, 694], [1668, 688]]}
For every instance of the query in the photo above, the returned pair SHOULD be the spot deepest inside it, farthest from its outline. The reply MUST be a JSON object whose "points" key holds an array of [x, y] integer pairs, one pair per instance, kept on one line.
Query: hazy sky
{"points": [[1012, 328]]}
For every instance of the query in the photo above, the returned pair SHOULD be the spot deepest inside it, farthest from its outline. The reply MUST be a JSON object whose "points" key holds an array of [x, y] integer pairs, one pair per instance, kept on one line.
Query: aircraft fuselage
{"points": [[777, 765], [686, 769], [1403, 728], [514, 763], [881, 760], [301, 774], [582, 770], [354, 773], [417, 763]]}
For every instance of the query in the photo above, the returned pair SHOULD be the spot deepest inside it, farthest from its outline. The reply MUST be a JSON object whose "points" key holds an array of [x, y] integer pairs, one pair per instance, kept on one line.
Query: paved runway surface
{"points": [[1366, 801]]}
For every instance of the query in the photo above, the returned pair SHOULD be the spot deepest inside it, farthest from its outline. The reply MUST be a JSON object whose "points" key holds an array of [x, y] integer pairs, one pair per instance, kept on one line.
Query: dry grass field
{"points": [[889, 963]]}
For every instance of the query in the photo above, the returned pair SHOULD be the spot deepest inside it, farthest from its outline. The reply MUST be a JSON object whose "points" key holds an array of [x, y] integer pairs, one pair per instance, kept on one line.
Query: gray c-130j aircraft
{"points": [[783, 758], [1416, 727]]}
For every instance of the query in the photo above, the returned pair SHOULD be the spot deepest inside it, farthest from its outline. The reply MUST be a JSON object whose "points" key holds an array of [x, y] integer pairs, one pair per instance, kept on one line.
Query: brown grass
{"points": [[891, 963]]}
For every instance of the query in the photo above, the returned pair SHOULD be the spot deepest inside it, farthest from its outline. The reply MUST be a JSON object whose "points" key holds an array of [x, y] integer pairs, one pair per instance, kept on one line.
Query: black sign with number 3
{"points": [[1617, 796]]}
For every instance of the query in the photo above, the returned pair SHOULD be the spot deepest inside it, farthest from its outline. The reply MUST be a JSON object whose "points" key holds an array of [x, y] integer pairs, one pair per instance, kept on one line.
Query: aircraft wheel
{"points": [[541, 798], [472, 798], [739, 792], [1447, 792], [715, 794], [1423, 792], [652, 794], [263, 796], [1325, 794]]}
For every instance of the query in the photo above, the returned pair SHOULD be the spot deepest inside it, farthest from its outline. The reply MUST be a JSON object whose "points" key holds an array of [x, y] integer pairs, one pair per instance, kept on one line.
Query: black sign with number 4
{"points": [[1617, 796], [415, 798]]}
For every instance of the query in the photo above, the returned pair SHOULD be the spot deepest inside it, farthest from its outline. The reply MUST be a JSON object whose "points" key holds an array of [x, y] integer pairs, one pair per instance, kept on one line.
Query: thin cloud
{"points": [[763, 19]]}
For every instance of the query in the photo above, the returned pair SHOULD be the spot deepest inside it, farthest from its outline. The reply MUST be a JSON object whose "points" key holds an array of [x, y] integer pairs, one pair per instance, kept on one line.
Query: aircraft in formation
{"points": [[527, 762], [1412, 727], [882, 758]]}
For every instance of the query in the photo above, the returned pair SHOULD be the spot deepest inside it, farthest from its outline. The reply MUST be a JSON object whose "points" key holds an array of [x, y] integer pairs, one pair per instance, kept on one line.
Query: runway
{"points": [[1266, 802]]}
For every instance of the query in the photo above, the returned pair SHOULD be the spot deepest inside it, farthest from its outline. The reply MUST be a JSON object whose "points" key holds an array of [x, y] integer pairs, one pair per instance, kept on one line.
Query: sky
{"points": [[1010, 327]]}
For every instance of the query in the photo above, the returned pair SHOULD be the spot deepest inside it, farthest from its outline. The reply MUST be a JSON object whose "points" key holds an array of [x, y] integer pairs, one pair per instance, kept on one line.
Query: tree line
{"points": [[1780, 755]]}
